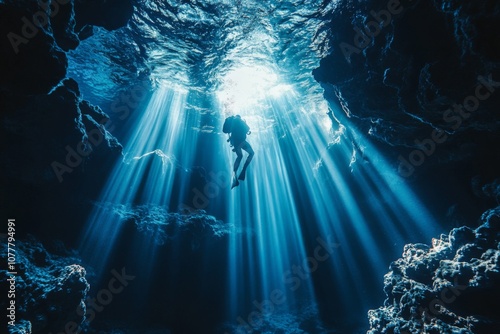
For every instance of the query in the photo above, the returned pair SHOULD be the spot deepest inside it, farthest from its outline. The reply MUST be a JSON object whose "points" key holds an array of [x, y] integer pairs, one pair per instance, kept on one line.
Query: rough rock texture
{"points": [[45, 129], [36, 116], [402, 83], [48, 143], [32, 62], [302, 322], [452, 286], [35, 38], [49, 289], [49, 135], [162, 225]]}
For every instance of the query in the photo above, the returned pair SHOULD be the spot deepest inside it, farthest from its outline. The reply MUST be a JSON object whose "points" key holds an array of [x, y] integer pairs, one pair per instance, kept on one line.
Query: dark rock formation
{"points": [[302, 322], [56, 133], [31, 61], [184, 262], [161, 225], [49, 134], [48, 142], [32, 54], [49, 289], [427, 66], [109, 14], [452, 286]]}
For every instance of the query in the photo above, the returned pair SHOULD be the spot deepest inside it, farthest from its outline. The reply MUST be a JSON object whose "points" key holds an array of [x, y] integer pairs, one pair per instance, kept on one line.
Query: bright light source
{"points": [[249, 91], [245, 88], [279, 90]]}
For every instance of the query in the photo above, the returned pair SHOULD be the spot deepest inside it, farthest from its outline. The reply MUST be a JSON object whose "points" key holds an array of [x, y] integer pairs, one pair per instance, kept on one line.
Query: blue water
{"points": [[321, 208]]}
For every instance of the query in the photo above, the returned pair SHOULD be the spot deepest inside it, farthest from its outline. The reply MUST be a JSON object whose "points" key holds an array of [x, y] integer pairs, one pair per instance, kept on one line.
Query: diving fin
{"points": [[235, 182]]}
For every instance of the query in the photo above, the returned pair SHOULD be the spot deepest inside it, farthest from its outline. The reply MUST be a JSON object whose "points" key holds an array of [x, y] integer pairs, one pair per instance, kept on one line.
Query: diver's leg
{"points": [[251, 153], [239, 156]]}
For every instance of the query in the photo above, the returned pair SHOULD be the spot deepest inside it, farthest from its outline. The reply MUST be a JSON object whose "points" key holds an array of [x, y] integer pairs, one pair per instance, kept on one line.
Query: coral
{"points": [[49, 289], [451, 286], [162, 225]]}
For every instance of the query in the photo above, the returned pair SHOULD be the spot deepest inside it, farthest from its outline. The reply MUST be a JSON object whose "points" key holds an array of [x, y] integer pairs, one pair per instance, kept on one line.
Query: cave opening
{"points": [[113, 146], [319, 203]]}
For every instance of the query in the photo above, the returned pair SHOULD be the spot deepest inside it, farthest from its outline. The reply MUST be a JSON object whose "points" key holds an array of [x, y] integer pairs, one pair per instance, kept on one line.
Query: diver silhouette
{"points": [[238, 129]]}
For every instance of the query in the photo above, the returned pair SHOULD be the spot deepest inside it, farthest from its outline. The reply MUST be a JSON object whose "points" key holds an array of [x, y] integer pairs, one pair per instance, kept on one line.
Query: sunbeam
{"points": [[148, 171], [312, 194], [250, 166], [304, 184], [295, 169]]}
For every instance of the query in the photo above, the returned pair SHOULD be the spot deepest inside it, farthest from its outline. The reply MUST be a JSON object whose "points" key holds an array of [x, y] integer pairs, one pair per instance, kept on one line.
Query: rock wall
{"points": [[50, 135], [417, 75]]}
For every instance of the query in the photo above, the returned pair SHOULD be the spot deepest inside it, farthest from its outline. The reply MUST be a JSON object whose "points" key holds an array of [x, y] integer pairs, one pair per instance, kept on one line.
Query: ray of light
{"points": [[147, 174], [304, 190], [292, 168]]}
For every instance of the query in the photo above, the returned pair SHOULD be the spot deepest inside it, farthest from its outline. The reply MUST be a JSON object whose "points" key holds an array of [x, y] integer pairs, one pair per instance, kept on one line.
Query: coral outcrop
{"points": [[162, 226], [50, 290], [452, 286]]}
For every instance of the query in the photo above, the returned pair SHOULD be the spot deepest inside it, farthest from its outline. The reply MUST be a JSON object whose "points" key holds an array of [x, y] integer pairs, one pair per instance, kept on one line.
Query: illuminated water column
{"points": [[262, 258], [146, 174], [271, 244], [334, 210], [367, 199], [354, 202]]}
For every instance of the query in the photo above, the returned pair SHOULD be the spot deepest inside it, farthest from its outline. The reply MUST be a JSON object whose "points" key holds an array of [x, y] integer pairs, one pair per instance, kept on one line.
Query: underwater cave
{"points": [[244, 167]]}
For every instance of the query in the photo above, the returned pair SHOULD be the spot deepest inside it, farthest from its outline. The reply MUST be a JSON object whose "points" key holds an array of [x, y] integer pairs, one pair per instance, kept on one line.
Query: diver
{"points": [[238, 129]]}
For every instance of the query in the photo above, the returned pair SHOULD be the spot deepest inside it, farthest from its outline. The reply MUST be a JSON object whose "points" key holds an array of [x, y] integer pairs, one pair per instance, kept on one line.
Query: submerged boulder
{"points": [[50, 290], [452, 286], [162, 226]]}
